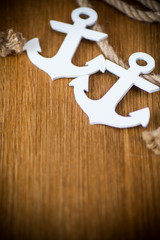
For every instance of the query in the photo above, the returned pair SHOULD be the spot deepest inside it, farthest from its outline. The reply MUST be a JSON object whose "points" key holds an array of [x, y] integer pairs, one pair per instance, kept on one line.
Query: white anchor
{"points": [[60, 65], [102, 111]]}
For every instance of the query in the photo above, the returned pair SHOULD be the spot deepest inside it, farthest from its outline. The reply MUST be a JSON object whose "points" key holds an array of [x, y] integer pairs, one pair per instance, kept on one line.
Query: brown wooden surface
{"points": [[61, 178]]}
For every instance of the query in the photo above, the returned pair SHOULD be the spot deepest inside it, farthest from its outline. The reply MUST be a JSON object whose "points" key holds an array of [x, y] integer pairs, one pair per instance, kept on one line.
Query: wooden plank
{"points": [[61, 178]]}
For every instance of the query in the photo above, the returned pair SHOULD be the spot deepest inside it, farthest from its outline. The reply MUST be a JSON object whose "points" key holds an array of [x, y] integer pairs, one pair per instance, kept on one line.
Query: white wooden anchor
{"points": [[102, 111], [60, 65]]}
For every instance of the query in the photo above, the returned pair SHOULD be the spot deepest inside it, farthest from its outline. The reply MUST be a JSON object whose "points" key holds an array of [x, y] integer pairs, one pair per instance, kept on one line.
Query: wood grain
{"points": [[61, 178]]}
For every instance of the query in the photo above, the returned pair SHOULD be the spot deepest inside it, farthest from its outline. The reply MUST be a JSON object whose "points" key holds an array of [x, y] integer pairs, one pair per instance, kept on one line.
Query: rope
{"points": [[153, 5], [130, 11], [11, 43], [152, 140]]}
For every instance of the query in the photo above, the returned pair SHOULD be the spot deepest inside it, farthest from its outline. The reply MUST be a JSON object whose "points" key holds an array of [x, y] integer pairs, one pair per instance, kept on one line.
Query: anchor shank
{"points": [[70, 44], [117, 92]]}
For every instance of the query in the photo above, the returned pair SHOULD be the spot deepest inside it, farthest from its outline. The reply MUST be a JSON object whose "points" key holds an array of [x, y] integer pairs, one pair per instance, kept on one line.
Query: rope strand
{"points": [[11, 43], [130, 11], [153, 5]]}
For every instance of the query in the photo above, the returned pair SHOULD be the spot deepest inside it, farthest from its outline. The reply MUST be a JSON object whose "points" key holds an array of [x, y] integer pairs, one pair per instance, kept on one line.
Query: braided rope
{"points": [[153, 5], [130, 11], [108, 50]]}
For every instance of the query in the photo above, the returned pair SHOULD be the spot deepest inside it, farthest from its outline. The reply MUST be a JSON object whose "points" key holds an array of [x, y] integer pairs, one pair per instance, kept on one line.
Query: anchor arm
{"points": [[136, 118], [33, 47], [80, 85], [93, 66]]}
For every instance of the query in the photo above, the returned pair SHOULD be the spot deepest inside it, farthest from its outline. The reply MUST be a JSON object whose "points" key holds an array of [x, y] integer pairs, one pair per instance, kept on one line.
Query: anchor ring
{"points": [[145, 57], [92, 16]]}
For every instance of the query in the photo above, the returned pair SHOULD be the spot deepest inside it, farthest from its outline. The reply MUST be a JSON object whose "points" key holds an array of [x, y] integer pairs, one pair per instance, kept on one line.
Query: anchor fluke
{"points": [[143, 115], [81, 82], [32, 45], [98, 61]]}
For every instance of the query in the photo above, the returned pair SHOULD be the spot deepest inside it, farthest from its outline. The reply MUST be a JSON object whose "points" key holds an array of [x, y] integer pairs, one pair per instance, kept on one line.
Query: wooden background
{"points": [[61, 178]]}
